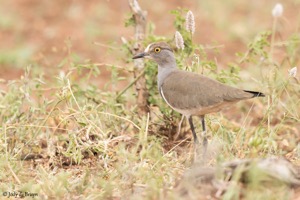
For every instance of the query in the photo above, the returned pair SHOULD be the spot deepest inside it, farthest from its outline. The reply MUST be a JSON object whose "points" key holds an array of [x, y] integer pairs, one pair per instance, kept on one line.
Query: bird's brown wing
{"points": [[186, 90]]}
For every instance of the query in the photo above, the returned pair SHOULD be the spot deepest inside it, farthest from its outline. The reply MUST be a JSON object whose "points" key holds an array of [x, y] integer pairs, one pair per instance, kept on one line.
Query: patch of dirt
{"points": [[45, 26]]}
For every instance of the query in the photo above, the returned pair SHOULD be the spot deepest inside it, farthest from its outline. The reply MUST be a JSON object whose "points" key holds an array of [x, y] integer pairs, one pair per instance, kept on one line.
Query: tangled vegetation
{"points": [[63, 137]]}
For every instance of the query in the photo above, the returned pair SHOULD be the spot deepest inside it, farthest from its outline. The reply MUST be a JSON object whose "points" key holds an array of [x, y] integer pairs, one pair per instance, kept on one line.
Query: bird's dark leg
{"points": [[193, 130], [204, 142]]}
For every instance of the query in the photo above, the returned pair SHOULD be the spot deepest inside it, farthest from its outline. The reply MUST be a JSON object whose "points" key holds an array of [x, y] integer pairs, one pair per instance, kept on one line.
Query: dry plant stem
{"points": [[140, 28], [171, 150], [179, 128], [130, 84], [6, 153], [39, 127], [95, 127], [297, 81], [147, 126], [271, 59], [36, 126], [116, 116], [273, 38], [6, 144], [14, 174], [269, 116], [45, 120], [107, 65], [105, 45]]}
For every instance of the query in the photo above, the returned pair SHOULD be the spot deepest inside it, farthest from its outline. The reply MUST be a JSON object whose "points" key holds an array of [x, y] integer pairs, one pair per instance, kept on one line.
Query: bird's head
{"points": [[160, 52]]}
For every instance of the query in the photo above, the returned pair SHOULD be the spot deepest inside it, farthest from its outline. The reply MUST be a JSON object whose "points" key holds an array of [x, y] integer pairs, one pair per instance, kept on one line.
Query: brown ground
{"points": [[38, 30]]}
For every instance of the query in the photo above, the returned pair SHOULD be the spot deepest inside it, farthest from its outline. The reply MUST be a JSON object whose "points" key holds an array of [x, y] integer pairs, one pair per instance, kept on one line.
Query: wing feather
{"points": [[186, 90]]}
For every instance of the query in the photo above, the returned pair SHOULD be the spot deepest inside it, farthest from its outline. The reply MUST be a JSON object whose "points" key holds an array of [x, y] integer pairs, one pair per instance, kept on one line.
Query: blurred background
{"points": [[38, 32]]}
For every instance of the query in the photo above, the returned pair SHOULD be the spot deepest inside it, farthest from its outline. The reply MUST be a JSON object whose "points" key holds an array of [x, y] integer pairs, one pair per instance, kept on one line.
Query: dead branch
{"points": [[140, 29]]}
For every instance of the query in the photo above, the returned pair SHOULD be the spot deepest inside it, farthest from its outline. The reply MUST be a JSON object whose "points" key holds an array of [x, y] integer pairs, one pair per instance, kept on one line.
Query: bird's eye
{"points": [[157, 50]]}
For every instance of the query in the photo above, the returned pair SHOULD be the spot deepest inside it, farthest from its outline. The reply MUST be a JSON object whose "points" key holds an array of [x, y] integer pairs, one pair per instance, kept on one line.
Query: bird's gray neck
{"points": [[163, 72]]}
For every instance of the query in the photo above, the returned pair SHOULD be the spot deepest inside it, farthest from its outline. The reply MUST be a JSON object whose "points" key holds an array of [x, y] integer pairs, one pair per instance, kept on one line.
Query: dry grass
{"points": [[62, 137]]}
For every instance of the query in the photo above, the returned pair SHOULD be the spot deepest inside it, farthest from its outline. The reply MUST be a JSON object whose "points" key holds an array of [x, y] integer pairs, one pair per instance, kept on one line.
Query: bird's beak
{"points": [[140, 55]]}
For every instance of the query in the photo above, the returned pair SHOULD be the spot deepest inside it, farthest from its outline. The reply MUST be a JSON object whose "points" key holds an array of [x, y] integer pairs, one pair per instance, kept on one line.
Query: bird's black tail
{"points": [[256, 94]]}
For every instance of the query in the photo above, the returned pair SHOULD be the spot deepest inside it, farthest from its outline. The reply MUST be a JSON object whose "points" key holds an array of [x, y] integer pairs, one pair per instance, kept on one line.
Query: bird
{"points": [[189, 93]]}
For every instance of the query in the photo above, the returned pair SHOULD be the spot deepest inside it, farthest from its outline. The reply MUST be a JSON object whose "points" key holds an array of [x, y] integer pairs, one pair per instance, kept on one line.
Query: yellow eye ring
{"points": [[157, 50]]}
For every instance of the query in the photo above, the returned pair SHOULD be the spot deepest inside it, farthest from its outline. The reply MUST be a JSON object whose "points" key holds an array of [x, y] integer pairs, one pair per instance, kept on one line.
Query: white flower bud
{"points": [[277, 10], [62, 74], [293, 72], [190, 22], [179, 40]]}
